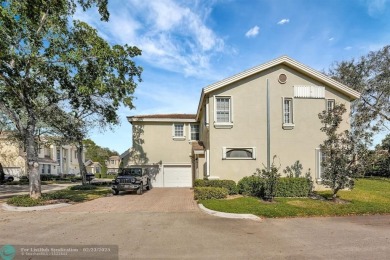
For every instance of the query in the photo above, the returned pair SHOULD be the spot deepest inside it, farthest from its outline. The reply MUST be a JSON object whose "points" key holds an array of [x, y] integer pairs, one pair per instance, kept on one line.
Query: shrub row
{"points": [[227, 184], [292, 187], [84, 187], [206, 193], [285, 187]]}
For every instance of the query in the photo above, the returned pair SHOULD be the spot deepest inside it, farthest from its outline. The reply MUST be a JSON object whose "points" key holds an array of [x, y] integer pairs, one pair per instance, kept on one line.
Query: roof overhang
{"points": [[284, 60], [141, 119]]}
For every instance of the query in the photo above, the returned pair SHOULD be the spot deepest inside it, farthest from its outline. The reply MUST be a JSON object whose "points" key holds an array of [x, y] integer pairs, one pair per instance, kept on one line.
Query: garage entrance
{"points": [[174, 176]]}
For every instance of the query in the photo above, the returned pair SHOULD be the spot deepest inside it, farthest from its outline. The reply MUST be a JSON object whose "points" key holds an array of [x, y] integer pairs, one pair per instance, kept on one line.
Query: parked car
{"points": [[8, 178], [132, 179]]}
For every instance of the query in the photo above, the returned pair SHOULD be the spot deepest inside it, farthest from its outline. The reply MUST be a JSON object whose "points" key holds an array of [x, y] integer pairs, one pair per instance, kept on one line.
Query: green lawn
{"points": [[66, 195], [370, 196]]}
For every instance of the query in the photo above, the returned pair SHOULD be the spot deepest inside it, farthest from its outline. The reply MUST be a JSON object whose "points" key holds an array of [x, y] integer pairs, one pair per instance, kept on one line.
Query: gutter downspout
{"points": [[268, 131]]}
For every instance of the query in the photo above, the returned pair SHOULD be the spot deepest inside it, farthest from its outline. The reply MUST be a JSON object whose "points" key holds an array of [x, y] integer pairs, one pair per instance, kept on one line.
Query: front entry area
{"points": [[172, 176]]}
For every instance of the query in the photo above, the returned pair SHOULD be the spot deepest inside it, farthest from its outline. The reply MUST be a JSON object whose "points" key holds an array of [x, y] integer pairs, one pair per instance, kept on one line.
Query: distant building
{"points": [[53, 159], [93, 167], [112, 164]]}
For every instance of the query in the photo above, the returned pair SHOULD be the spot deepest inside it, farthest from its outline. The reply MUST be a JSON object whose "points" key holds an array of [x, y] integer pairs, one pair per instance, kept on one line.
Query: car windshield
{"points": [[131, 172]]}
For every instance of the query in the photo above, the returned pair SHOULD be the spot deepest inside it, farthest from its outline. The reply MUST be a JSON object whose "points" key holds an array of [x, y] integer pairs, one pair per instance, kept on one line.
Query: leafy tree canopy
{"points": [[370, 75], [56, 71]]}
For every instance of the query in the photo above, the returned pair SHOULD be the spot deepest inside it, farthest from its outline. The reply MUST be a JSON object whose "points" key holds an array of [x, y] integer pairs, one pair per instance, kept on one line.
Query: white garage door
{"points": [[177, 176]]}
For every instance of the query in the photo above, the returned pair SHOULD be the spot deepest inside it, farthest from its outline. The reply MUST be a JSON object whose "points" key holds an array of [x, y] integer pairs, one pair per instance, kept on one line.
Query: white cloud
{"points": [[376, 7], [252, 32], [348, 48], [171, 34], [284, 21], [331, 39]]}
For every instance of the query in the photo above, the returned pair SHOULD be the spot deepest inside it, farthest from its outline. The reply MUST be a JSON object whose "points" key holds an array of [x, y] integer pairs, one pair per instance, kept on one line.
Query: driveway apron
{"points": [[155, 200]]}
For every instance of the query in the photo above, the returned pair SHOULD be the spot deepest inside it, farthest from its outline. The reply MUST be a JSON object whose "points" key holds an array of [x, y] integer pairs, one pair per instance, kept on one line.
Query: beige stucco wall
{"points": [[10, 155], [155, 143], [249, 123]]}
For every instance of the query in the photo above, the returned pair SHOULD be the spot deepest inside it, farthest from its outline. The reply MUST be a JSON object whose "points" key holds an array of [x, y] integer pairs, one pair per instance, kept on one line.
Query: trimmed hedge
{"points": [[292, 187], [207, 193], [286, 187], [251, 186], [227, 184]]}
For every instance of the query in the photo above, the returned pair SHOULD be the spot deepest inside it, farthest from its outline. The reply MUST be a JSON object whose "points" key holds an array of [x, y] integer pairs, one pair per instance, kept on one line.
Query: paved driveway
{"points": [[155, 200]]}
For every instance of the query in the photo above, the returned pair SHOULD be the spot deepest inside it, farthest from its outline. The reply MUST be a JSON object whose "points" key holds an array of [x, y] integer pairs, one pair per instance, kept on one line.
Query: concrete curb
{"points": [[228, 215], [7, 207]]}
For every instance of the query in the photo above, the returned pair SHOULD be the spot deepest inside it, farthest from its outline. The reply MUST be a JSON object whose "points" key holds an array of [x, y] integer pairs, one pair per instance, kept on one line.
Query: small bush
{"points": [[228, 184], [206, 193], [84, 187], [24, 201], [292, 187], [251, 186]]}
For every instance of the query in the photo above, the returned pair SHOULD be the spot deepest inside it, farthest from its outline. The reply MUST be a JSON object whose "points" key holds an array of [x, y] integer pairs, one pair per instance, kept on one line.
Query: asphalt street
{"points": [[148, 233]]}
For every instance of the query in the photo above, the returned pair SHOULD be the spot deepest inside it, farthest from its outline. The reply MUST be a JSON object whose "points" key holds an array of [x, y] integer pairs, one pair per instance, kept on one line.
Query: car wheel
{"points": [[149, 183], [10, 179], [115, 192], [140, 189]]}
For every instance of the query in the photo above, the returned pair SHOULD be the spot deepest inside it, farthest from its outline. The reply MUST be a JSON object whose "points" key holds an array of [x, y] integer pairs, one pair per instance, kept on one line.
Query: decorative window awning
{"points": [[309, 91]]}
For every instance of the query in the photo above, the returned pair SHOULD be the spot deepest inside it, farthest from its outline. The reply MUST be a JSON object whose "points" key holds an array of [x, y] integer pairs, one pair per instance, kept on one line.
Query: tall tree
{"points": [[49, 61], [370, 75], [340, 152]]}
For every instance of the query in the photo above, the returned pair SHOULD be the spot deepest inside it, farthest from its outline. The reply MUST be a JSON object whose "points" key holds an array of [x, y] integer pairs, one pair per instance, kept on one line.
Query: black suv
{"points": [[131, 179]]}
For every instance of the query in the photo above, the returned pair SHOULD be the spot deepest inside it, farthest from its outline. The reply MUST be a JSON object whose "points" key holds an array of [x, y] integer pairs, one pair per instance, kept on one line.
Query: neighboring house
{"points": [[52, 159], [112, 164], [227, 137], [93, 167]]}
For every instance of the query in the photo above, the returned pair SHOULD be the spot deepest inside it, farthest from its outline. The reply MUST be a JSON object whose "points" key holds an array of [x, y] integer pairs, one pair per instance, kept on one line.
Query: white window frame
{"points": [[190, 132], [228, 124], [174, 136], [226, 149], [330, 101], [319, 168], [288, 125]]}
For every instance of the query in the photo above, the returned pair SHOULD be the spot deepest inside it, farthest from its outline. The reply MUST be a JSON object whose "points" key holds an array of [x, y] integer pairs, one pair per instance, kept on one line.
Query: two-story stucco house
{"points": [[113, 164], [52, 159], [240, 124]]}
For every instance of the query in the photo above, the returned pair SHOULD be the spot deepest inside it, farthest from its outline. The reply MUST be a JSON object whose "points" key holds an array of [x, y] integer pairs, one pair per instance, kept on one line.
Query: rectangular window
{"points": [[330, 104], [287, 111], [75, 154], [320, 168], [178, 131], [58, 156], [223, 110], [47, 152], [244, 153], [49, 169], [194, 132]]}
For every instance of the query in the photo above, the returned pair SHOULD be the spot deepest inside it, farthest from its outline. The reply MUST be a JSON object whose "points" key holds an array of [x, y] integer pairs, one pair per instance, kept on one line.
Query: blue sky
{"points": [[189, 44]]}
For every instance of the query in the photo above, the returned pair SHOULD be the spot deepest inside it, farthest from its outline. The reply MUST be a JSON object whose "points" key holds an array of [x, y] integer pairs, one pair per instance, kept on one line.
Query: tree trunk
{"points": [[83, 169], [334, 196], [1, 173], [32, 164]]}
